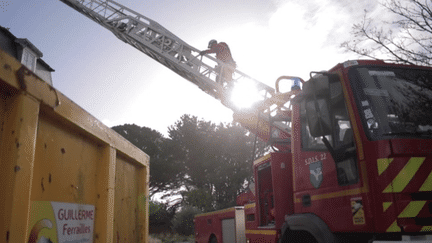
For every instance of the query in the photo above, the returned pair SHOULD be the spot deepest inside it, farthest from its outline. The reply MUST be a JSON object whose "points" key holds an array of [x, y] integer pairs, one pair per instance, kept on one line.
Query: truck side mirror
{"points": [[317, 86], [318, 117], [317, 92]]}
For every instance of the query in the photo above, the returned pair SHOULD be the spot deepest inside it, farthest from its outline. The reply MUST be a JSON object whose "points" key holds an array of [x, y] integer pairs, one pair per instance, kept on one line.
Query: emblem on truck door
{"points": [[316, 175]]}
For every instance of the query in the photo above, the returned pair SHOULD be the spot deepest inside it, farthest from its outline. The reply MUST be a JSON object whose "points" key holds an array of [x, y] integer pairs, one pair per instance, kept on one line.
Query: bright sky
{"points": [[118, 84]]}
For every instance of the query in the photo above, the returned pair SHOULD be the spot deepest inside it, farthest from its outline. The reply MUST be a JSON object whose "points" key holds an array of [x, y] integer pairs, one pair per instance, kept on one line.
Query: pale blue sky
{"points": [[118, 84]]}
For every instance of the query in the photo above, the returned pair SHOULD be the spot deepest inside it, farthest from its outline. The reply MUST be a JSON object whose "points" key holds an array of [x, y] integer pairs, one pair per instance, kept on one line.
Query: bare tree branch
{"points": [[407, 39]]}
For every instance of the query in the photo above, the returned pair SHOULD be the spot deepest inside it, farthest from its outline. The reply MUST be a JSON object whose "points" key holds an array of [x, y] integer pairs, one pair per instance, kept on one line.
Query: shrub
{"points": [[160, 217], [183, 222]]}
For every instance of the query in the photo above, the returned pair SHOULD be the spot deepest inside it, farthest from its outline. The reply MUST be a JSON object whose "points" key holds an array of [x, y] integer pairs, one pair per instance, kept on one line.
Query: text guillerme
{"points": [[74, 214]]}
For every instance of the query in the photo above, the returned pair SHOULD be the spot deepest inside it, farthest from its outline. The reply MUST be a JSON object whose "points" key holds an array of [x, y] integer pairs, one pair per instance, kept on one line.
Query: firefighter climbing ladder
{"points": [[166, 48]]}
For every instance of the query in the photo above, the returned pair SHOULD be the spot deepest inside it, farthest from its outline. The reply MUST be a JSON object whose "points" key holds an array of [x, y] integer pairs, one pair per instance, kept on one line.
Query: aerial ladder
{"points": [[269, 118]]}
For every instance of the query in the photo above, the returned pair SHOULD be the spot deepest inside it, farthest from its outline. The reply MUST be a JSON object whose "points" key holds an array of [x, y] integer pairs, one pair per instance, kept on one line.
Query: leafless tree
{"points": [[407, 39]]}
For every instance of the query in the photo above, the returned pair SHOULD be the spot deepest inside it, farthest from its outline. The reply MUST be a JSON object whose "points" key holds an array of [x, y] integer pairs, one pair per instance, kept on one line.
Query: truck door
{"points": [[326, 170], [228, 230], [265, 193]]}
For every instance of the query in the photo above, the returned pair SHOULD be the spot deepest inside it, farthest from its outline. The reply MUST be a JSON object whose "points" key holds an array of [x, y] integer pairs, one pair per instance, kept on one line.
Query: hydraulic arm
{"points": [[166, 48]]}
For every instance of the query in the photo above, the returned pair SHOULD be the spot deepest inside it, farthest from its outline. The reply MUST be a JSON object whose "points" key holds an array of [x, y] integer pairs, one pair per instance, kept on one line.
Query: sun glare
{"points": [[245, 94]]}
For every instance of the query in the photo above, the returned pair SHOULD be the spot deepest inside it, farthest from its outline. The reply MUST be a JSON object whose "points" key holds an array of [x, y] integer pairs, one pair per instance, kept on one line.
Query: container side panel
{"points": [[17, 150], [105, 203], [65, 165], [143, 202], [3, 102], [126, 201]]}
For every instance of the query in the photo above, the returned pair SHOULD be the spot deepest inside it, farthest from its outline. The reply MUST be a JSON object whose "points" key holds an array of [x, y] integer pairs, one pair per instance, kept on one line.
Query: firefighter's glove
{"points": [[202, 53]]}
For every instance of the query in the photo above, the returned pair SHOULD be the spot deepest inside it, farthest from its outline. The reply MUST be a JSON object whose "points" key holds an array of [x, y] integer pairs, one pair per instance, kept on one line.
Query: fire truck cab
{"points": [[358, 167]]}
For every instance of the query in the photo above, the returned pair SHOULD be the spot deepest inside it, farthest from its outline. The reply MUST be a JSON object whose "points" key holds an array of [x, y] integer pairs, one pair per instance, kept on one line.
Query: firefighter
{"points": [[223, 54]]}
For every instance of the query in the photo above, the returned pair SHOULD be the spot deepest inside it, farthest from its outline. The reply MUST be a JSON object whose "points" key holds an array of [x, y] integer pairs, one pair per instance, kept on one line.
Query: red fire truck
{"points": [[355, 164], [353, 145]]}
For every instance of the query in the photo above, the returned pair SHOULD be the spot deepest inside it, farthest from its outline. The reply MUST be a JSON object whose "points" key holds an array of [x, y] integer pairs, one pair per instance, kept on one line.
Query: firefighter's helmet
{"points": [[212, 42]]}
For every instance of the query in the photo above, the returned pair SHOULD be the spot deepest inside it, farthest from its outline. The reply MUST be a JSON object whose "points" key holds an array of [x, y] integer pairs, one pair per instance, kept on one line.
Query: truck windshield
{"points": [[394, 102]]}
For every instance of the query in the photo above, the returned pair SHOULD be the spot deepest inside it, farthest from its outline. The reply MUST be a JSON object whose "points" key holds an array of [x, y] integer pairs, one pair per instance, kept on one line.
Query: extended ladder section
{"points": [[166, 48]]}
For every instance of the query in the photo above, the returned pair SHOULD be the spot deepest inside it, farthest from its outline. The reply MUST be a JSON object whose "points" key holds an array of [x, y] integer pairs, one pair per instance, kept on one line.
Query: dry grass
{"points": [[165, 238], [153, 240]]}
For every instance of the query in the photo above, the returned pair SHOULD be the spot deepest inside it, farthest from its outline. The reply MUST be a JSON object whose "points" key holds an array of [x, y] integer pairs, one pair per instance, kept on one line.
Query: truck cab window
{"points": [[341, 139], [386, 97], [343, 131], [310, 143]]}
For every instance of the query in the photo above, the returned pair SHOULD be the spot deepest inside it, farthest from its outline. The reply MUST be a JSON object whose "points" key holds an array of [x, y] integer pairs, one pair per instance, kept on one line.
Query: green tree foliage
{"points": [[217, 160], [160, 217], [199, 198], [407, 39], [211, 163], [183, 221], [165, 171]]}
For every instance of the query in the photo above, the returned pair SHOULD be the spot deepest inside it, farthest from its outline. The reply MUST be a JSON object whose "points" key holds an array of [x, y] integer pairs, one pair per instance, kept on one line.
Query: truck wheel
{"points": [[213, 239], [297, 237]]}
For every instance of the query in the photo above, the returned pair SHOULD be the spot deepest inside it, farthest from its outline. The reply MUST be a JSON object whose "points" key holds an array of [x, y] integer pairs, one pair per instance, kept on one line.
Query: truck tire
{"points": [[295, 236], [306, 228], [213, 239]]}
